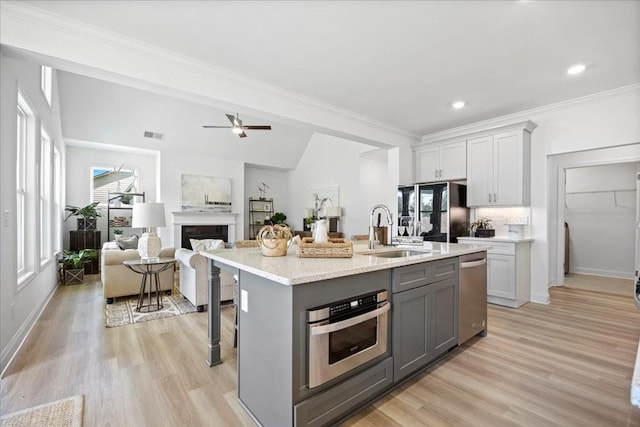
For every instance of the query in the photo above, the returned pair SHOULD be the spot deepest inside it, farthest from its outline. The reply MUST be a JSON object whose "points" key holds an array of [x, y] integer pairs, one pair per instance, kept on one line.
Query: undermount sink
{"points": [[396, 254]]}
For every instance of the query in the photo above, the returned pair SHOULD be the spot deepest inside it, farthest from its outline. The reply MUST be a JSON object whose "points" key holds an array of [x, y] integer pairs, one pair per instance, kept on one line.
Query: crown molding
{"points": [[20, 14], [523, 115], [71, 142]]}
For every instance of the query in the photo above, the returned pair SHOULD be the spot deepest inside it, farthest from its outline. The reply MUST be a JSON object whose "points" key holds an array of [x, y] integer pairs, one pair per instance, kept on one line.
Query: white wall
{"points": [[600, 208], [377, 185], [19, 309], [276, 179], [330, 161]]}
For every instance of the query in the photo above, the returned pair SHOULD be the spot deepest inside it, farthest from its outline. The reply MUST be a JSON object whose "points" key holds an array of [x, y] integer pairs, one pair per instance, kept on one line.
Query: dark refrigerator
{"points": [[435, 212]]}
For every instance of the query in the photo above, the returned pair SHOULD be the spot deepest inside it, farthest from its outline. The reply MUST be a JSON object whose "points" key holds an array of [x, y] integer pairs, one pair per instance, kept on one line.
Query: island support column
{"points": [[214, 315]]}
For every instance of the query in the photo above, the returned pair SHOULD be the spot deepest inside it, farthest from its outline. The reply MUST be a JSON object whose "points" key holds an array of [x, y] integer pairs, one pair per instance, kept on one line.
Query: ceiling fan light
{"points": [[236, 129]]}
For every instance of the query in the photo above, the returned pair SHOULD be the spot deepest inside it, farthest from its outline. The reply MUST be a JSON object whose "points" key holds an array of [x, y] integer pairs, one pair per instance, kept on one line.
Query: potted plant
{"points": [[73, 264], [482, 228], [307, 223], [278, 218], [87, 215], [117, 233]]}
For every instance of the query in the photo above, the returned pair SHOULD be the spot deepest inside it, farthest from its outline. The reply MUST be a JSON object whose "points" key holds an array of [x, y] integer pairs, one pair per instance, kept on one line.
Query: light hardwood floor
{"points": [[565, 364], [589, 282]]}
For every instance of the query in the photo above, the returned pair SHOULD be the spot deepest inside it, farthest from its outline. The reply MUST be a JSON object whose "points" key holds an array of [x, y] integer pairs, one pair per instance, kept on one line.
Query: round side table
{"points": [[150, 270]]}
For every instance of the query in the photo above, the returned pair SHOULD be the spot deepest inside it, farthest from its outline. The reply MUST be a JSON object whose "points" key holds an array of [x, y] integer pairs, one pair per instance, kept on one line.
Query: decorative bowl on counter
{"points": [[274, 239]]}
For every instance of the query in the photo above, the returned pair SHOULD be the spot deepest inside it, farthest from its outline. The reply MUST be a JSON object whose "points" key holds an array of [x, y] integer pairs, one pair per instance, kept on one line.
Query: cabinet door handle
{"points": [[440, 172], [489, 197], [495, 198], [436, 173]]}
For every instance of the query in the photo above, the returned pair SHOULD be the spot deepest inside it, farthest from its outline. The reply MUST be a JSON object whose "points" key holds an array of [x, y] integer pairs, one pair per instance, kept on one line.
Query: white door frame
{"points": [[557, 166]]}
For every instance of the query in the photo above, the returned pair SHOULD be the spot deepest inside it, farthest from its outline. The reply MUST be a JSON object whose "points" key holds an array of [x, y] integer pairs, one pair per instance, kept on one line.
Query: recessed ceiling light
{"points": [[458, 105], [576, 69]]}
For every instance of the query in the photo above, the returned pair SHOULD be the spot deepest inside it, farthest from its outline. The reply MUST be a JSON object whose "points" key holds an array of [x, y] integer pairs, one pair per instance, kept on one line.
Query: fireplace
{"points": [[203, 225], [200, 232]]}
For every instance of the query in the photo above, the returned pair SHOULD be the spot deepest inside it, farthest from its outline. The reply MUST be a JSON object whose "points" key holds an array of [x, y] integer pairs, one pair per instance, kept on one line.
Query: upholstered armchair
{"points": [[194, 283]]}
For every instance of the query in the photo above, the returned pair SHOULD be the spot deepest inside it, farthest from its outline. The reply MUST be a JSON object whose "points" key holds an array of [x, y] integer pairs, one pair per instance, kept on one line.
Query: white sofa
{"points": [[194, 281], [119, 281]]}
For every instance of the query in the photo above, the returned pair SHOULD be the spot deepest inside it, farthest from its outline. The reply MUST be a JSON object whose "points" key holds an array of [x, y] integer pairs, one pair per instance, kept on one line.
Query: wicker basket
{"points": [[334, 248]]}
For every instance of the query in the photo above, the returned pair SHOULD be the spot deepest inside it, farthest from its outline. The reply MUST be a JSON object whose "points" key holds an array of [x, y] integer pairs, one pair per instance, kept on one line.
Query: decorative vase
{"points": [[321, 235]]}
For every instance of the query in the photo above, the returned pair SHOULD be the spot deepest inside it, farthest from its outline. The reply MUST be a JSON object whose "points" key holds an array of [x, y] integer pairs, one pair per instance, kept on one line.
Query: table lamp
{"points": [[148, 216]]}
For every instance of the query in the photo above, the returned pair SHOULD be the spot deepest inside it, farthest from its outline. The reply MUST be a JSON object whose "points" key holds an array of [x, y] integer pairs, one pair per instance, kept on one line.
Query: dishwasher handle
{"points": [[472, 264]]}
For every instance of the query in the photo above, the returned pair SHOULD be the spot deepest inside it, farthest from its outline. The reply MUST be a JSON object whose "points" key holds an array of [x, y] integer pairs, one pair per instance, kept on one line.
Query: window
{"points": [[21, 166], [45, 196], [57, 201], [46, 82], [25, 185], [107, 181]]}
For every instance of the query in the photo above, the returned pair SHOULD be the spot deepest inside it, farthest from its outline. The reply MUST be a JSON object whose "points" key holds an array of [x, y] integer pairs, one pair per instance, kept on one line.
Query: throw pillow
{"points": [[128, 243], [206, 244]]}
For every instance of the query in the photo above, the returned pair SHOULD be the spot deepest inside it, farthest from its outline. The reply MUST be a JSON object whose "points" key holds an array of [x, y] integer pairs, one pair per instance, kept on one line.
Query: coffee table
{"points": [[150, 270]]}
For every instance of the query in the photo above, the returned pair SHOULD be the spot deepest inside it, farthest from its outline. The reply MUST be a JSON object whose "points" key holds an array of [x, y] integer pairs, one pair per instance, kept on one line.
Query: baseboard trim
{"points": [[540, 299], [19, 338], [605, 273]]}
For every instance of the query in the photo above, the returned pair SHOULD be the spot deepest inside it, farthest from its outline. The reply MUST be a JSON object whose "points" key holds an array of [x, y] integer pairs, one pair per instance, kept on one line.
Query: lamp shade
{"points": [[148, 215], [333, 211]]}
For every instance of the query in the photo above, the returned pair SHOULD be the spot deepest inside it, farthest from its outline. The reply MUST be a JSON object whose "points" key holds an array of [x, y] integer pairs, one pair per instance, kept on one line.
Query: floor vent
{"points": [[153, 135]]}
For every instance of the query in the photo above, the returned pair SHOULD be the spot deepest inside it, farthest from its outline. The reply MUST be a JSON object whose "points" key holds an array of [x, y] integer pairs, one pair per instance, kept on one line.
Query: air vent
{"points": [[154, 135]]}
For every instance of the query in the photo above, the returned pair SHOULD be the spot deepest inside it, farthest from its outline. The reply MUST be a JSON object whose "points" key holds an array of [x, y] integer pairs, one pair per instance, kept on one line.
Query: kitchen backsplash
{"points": [[519, 218]]}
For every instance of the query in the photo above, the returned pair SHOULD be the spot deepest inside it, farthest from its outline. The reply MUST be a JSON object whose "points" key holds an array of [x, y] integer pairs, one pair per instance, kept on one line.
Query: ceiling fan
{"points": [[237, 127]]}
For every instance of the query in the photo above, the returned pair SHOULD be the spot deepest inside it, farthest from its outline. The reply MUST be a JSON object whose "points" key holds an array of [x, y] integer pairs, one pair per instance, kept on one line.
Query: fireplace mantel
{"points": [[203, 218]]}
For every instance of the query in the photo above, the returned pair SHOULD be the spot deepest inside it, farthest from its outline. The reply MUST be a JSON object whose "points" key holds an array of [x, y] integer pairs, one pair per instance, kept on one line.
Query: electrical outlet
{"points": [[5, 218], [244, 301]]}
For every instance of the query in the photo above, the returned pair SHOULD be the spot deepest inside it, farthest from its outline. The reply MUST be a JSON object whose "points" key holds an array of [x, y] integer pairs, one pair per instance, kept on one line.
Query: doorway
{"points": [[557, 213]]}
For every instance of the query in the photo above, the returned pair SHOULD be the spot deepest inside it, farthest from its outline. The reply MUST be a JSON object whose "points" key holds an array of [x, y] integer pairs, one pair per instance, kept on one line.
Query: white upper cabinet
{"points": [[441, 162], [498, 167], [479, 171]]}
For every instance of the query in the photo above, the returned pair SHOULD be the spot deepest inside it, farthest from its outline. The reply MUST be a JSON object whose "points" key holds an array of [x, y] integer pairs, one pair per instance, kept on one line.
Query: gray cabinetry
{"points": [[324, 408], [425, 314]]}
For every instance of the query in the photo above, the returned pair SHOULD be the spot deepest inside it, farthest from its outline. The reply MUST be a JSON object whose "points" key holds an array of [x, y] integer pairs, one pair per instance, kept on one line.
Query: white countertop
{"points": [[635, 382], [291, 270], [505, 239]]}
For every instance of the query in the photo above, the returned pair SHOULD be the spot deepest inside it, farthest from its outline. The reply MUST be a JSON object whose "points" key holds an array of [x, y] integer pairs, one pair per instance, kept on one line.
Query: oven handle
{"points": [[332, 327]]}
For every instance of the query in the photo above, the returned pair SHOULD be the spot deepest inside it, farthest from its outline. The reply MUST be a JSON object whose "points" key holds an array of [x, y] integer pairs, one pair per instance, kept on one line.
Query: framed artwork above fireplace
{"points": [[201, 193]]}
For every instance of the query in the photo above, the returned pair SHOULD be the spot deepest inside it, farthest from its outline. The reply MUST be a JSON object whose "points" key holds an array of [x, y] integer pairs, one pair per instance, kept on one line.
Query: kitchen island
{"points": [[276, 296]]}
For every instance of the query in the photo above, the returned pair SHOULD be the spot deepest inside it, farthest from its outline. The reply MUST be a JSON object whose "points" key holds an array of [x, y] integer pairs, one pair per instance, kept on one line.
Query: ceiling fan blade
{"points": [[216, 127], [242, 135], [259, 127], [231, 118]]}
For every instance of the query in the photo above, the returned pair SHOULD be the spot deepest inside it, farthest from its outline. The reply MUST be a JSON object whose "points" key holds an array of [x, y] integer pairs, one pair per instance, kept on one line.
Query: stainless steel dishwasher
{"points": [[472, 297]]}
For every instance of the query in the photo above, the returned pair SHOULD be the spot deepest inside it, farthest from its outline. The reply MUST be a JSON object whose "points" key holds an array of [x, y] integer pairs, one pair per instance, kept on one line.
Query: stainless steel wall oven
{"points": [[345, 335]]}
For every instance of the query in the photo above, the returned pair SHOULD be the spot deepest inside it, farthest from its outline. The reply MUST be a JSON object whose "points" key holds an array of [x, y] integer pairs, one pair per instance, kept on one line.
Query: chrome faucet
{"points": [[371, 231]]}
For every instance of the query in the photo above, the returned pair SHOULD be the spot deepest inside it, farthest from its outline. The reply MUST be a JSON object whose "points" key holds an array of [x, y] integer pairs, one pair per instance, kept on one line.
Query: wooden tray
{"points": [[334, 248]]}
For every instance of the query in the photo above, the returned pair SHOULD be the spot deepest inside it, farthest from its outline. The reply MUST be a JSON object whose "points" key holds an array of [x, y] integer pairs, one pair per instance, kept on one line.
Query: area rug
{"points": [[123, 311], [61, 413]]}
